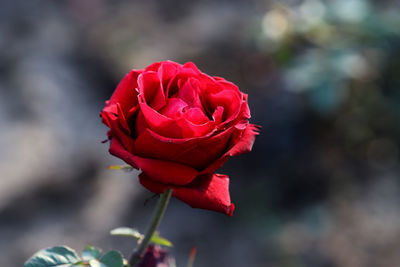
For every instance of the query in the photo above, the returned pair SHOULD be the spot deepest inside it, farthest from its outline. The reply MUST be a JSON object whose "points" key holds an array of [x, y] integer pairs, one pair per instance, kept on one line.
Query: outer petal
{"points": [[209, 192], [149, 86], [197, 152], [114, 118], [126, 94], [157, 170], [114, 112], [241, 142], [246, 140]]}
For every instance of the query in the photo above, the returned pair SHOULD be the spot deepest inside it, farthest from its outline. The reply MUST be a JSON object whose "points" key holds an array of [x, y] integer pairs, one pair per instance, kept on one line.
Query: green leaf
{"points": [[55, 256], [157, 239], [91, 253], [121, 167], [130, 232], [112, 259], [126, 231]]}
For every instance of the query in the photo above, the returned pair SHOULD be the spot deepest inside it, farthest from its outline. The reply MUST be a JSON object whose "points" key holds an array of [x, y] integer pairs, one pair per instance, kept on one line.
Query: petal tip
{"points": [[230, 210]]}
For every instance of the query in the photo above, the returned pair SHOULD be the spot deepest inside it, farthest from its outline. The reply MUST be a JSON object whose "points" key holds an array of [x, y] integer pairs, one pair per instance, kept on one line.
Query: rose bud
{"points": [[154, 256]]}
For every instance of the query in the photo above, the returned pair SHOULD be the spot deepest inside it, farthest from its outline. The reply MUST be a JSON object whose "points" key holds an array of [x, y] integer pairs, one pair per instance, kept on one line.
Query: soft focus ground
{"points": [[321, 187]]}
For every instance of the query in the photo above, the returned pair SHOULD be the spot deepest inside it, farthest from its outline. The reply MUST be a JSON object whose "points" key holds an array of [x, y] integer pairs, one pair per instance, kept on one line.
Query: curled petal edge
{"points": [[243, 145], [125, 93], [157, 170]]}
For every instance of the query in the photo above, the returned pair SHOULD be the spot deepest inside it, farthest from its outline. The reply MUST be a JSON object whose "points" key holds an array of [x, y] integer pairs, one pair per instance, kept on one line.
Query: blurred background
{"points": [[321, 187]]}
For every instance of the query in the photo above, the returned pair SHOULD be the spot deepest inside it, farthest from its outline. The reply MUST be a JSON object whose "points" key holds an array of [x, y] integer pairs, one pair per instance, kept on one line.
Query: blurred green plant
{"points": [[327, 48], [65, 256], [91, 256], [130, 232]]}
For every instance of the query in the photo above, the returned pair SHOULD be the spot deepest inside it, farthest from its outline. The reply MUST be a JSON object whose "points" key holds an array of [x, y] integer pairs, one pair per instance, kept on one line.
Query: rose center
{"points": [[177, 108]]}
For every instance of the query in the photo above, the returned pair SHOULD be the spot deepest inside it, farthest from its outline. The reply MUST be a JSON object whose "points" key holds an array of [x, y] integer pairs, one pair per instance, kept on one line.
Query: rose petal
{"points": [[192, 66], [209, 192], [245, 111], [125, 94], [228, 85], [157, 170], [229, 100], [140, 124], [177, 128], [217, 115], [166, 72], [149, 86], [182, 75], [195, 115], [217, 78], [114, 118], [197, 153], [188, 92], [154, 66], [246, 140], [242, 141], [209, 84], [132, 114], [174, 108]]}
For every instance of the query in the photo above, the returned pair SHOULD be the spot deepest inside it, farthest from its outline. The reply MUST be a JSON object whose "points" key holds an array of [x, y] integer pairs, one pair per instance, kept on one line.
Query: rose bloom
{"points": [[178, 126]]}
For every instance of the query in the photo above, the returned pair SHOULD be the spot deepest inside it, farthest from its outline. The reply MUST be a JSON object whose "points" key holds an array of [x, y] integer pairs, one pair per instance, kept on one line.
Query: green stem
{"points": [[155, 221]]}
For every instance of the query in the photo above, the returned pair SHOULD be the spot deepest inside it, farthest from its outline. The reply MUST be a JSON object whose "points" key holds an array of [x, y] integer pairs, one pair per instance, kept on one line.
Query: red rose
{"points": [[178, 125]]}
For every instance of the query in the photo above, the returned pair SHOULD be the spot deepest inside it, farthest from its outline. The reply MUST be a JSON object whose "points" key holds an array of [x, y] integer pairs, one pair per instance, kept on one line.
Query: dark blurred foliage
{"points": [[155, 256], [321, 187]]}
